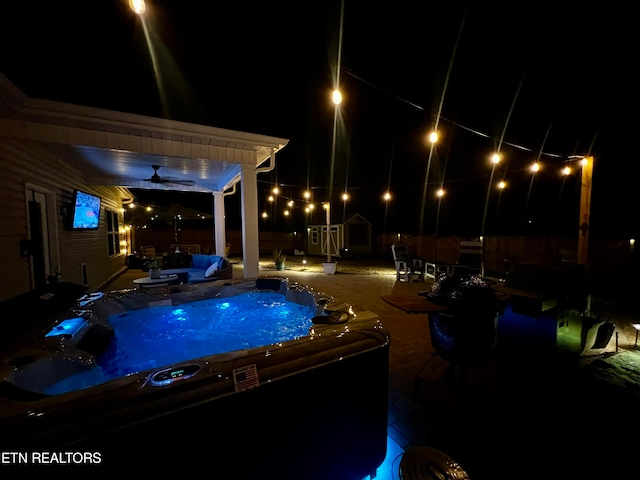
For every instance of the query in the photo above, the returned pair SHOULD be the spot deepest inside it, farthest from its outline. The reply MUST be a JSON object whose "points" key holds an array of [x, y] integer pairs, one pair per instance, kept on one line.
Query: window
{"points": [[314, 235], [113, 232]]}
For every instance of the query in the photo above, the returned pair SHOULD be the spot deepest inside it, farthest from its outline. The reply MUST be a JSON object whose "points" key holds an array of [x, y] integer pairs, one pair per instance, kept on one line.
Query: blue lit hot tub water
{"points": [[162, 335], [143, 374]]}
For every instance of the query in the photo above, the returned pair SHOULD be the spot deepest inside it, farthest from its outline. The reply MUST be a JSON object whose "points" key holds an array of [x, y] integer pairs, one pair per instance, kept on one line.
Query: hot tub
{"points": [[312, 407]]}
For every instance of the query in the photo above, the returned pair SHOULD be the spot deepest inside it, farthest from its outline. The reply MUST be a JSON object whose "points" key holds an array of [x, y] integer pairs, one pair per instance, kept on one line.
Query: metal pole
{"points": [[585, 208], [328, 233]]}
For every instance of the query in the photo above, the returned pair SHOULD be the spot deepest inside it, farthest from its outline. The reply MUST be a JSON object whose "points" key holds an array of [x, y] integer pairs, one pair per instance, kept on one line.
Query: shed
{"points": [[348, 239]]}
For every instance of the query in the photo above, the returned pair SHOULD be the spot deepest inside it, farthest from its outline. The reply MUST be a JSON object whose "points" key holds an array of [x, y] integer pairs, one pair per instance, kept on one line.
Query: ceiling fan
{"points": [[157, 179]]}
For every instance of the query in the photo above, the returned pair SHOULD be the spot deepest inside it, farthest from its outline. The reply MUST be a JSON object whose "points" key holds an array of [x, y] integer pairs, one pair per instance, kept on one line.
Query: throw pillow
{"points": [[211, 270]]}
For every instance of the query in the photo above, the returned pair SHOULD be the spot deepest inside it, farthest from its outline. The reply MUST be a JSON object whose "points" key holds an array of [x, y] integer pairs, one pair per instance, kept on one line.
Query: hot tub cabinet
{"points": [[311, 408]]}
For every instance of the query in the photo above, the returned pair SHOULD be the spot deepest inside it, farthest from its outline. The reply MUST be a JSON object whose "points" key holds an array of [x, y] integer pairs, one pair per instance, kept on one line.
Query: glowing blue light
{"points": [[180, 314], [70, 326], [163, 335]]}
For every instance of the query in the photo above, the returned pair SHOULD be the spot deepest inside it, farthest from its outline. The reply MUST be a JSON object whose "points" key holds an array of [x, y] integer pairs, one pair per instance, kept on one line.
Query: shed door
{"points": [[333, 239]]}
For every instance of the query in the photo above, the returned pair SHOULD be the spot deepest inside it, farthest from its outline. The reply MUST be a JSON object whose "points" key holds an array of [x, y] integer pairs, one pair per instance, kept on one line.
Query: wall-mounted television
{"points": [[86, 211]]}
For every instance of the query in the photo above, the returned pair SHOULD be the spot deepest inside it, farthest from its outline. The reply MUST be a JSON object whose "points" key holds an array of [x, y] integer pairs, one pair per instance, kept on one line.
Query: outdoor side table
{"points": [[147, 282]]}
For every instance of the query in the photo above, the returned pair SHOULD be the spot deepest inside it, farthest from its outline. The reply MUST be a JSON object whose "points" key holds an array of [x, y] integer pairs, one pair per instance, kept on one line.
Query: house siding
{"points": [[28, 165]]}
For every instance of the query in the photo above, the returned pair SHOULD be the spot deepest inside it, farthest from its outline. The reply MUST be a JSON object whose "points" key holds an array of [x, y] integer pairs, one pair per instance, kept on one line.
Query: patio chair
{"points": [[407, 268]]}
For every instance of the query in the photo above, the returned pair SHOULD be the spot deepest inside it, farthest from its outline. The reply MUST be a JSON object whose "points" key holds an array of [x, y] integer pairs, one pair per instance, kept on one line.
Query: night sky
{"points": [[534, 80]]}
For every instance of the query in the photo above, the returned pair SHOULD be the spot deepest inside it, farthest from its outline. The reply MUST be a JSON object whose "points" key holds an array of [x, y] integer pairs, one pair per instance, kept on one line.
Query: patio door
{"points": [[42, 238]]}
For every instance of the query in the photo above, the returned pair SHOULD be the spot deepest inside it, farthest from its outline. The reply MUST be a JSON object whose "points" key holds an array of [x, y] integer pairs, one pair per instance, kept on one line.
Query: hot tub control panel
{"points": [[170, 375]]}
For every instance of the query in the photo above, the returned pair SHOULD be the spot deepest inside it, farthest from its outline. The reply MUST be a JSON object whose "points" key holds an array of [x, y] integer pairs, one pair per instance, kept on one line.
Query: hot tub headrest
{"points": [[9, 390], [268, 283], [37, 372], [333, 317]]}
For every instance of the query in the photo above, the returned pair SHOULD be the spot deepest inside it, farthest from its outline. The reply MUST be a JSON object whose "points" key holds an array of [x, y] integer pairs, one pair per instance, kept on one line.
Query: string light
{"points": [[336, 97], [495, 159], [433, 137], [440, 117], [138, 6]]}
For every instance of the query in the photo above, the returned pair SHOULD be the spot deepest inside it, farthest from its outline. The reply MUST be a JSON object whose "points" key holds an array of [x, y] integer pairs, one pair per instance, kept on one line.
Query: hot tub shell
{"points": [[317, 408]]}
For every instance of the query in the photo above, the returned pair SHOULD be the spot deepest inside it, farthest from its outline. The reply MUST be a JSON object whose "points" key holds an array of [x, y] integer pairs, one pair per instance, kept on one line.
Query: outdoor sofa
{"points": [[201, 269]]}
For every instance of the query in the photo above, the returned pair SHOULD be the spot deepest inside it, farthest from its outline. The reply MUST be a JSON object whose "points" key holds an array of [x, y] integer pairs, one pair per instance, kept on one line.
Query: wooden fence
{"points": [[611, 261]]}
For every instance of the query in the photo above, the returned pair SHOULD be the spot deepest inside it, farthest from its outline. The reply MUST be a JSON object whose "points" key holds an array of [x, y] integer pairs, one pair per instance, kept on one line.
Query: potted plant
{"points": [[279, 258], [155, 267], [329, 267]]}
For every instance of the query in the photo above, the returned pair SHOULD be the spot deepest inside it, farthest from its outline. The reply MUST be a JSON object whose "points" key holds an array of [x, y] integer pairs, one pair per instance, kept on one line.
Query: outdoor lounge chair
{"points": [[407, 268]]}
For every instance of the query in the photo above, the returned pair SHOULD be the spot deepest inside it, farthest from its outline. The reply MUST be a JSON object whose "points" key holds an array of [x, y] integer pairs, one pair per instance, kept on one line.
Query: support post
{"points": [[585, 208], [220, 233], [328, 206]]}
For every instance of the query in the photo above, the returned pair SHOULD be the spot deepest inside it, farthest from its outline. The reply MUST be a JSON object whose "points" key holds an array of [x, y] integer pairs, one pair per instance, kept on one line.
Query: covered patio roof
{"points": [[120, 149]]}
